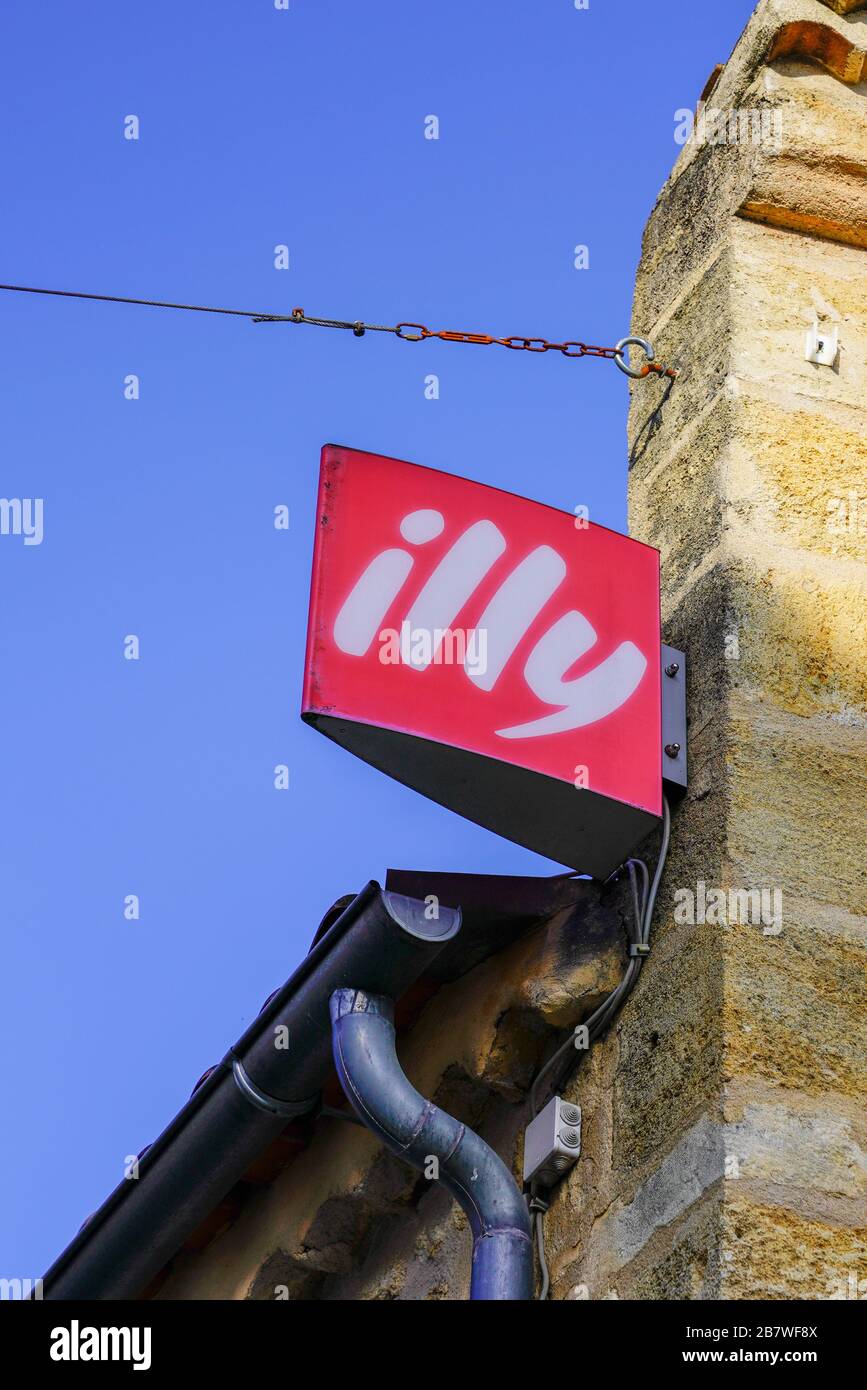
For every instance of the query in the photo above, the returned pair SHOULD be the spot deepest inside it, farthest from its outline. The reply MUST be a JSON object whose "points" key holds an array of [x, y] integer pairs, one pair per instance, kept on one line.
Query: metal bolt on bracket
{"points": [[822, 345]]}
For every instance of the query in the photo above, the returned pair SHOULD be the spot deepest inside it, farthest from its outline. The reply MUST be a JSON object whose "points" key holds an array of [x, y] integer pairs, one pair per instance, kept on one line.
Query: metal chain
{"points": [[569, 348]]}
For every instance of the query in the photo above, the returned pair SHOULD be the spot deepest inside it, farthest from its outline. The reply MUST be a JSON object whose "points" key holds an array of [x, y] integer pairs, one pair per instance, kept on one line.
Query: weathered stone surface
{"points": [[670, 1047], [845, 6], [795, 1004], [806, 844], [681, 1261], [764, 453], [771, 1251], [695, 1163], [779, 1140], [283, 1278]]}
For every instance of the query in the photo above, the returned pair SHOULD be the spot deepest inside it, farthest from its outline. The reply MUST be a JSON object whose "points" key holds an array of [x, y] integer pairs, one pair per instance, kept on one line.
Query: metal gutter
{"points": [[382, 942]]}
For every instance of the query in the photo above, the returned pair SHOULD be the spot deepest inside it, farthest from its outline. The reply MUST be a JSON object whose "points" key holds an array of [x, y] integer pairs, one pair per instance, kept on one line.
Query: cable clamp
{"points": [[639, 948], [538, 1204], [262, 1101]]}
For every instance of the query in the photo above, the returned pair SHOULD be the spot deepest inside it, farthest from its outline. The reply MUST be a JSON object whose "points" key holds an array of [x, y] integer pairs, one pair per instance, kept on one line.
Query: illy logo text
{"points": [[508, 616]]}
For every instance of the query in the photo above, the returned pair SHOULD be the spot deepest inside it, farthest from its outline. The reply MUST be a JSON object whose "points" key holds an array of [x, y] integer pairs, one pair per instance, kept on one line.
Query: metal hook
{"points": [[647, 348]]}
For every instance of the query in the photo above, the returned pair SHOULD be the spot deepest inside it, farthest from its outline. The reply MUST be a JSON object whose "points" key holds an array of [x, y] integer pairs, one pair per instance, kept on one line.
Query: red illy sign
{"points": [[498, 655]]}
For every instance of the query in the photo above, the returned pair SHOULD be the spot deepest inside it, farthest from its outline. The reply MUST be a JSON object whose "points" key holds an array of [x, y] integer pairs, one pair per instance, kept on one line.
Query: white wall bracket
{"points": [[822, 344]]}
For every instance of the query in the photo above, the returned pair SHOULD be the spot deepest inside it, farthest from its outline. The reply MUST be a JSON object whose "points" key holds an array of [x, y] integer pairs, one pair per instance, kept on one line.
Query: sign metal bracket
{"points": [[674, 746]]}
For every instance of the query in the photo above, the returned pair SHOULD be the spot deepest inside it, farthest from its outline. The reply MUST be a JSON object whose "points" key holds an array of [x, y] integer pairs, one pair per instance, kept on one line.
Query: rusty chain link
{"points": [[517, 343], [570, 348]]}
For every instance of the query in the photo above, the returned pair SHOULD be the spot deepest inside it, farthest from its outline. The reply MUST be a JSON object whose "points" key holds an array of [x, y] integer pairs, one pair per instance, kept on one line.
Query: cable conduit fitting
{"points": [[418, 1131]]}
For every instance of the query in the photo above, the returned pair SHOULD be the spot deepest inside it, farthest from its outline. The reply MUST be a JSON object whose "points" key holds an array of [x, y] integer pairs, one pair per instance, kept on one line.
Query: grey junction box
{"points": [[552, 1142]]}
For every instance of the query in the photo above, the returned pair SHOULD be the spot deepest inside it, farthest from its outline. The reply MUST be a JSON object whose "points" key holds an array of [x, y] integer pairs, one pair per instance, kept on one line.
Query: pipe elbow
{"points": [[435, 1143]]}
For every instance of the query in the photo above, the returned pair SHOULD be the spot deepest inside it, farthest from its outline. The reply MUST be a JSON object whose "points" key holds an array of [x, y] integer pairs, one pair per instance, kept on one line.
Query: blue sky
{"points": [[261, 127]]}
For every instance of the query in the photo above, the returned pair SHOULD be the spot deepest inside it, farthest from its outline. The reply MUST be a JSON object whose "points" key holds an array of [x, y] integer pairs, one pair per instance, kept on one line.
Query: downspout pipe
{"points": [[417, 1131]]}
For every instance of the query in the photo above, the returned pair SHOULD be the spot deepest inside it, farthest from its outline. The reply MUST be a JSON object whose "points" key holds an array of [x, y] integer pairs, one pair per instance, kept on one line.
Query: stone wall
{"points": [[750, 475], [724, 1113]]}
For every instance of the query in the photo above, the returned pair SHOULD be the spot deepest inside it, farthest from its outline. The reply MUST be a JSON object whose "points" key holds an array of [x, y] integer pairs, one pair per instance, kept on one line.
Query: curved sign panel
{"points": [[498, 655]]}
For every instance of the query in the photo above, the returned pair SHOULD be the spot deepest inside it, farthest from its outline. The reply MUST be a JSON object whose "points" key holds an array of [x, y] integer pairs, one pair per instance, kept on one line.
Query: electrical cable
{"points": [[644, 902], [660, 865], [539, 1229]]}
